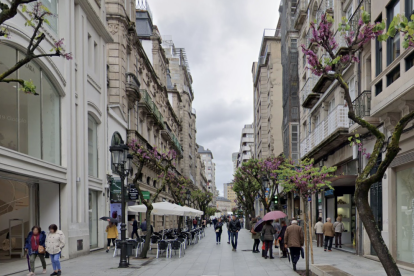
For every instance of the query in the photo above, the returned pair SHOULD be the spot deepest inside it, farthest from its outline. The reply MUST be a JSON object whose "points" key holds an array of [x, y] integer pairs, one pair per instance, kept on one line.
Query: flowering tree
{"points": [[246, 189], [178, 185], [37, 16], [201, 199], [306, 180], [163, 162], [332, 68], [269, 169]]}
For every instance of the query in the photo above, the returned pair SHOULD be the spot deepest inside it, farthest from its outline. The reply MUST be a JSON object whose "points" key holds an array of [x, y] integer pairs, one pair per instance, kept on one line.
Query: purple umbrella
{"points": [[274, 215], [258, 226]]}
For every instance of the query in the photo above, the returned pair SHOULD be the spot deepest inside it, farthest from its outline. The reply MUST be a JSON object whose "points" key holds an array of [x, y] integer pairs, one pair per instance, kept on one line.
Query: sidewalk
{"points": [[207, 258]]}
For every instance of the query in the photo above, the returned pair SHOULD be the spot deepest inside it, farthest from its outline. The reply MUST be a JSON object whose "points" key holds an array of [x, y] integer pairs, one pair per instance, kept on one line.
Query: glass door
{"points": [[93, 219]]}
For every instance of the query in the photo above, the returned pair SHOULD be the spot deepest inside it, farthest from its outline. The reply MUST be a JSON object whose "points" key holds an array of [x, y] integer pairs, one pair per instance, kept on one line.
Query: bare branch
{"points": [[8, 12]]}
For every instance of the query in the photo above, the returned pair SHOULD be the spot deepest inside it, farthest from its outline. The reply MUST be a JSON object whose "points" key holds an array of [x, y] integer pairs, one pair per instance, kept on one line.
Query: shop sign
{"points": [[116, 191], [146, 194], [329, 193], [133, 192]]}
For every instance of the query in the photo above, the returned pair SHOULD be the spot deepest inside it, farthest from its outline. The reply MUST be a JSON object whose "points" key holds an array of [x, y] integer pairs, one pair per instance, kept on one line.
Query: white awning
{"points": [[165, 209]]}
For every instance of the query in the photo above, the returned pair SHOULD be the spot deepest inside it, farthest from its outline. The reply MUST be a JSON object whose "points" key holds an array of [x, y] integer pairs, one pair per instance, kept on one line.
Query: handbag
{"points": [[217, 230], [41, 249]]}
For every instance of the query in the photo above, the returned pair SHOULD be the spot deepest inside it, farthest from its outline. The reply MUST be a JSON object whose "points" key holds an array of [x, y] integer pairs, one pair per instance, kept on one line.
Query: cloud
{"points": [[222, 39]]}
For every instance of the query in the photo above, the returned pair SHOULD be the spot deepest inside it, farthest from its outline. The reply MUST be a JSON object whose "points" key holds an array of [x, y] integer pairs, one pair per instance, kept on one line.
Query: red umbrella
{"points": [[274, 215]]}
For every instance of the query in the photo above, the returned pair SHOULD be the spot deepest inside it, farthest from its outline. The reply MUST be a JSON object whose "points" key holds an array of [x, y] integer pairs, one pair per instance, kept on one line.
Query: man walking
{"points": [[294, 240], [143, 227], [319, 232], [329, 232], [234, 227], [134, 228]]}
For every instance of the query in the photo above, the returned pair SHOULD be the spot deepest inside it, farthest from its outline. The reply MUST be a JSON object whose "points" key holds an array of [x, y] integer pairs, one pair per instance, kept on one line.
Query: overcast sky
{"points": [[222, 39]]}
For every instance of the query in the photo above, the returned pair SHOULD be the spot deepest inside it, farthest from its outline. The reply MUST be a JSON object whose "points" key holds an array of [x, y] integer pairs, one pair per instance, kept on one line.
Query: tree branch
{"points": [[9, 12]]}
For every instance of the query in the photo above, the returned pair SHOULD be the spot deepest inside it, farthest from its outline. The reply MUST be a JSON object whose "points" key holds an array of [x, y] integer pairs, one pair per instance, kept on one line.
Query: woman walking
{"points": [[282, 239], [112, 231], [55, 241], [35, 247], [339, 228], [219, 229], [255, 237], [268, 233]]}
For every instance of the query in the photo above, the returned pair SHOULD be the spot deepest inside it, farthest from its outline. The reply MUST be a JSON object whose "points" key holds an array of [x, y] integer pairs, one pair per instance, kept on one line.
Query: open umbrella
{"points": [[274, 215], [109, 219], [259, 226]]}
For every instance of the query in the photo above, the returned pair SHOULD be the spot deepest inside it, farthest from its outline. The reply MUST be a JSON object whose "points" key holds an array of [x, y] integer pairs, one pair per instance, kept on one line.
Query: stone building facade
{"points": [[210, 171], [267, 94]]}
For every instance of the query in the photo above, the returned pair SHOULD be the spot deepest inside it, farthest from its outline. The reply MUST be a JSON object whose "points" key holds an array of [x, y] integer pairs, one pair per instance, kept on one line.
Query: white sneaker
{"points": [[44, 271]]}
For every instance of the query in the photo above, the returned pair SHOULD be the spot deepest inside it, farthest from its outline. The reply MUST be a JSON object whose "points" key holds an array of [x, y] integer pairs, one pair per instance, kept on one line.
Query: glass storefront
{"points": [[405, 205], [29, 124], [93, 219]]}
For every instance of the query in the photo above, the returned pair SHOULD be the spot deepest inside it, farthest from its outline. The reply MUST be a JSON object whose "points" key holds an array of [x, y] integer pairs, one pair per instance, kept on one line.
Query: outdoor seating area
{"points": [[168, 240]]}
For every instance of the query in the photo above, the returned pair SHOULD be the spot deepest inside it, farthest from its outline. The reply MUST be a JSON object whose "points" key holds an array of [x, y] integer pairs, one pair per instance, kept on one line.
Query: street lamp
{"points": [[121, 161], [188, 194]]}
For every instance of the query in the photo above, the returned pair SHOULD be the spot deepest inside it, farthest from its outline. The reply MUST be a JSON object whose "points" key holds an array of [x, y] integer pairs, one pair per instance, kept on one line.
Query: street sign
{"points": [[115, 188], [133, 192], [146, 195]]}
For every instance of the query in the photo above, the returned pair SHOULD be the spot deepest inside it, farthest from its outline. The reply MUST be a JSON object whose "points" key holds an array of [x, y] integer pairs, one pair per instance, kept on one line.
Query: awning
{"points": [[165, 209]]}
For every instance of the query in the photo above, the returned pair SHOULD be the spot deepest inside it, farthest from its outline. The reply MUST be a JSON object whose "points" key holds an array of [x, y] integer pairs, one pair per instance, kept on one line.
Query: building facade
{"points": [[50, 169], [267, 94], [246, 144], [210, 171], [223, 205]]}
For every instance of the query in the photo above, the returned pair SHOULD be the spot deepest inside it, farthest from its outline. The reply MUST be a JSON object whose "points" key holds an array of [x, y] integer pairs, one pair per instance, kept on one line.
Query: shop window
{"points": [[405, 206], [92, 147], [378, 88], [93, 219], [393, 75], [393, 43], [29, 124]]}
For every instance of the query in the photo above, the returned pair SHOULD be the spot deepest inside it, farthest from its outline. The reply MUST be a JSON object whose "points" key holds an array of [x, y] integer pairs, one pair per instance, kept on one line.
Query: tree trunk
{"points": [[307, 239], [310, 236], [143, 254], [370, 225]]}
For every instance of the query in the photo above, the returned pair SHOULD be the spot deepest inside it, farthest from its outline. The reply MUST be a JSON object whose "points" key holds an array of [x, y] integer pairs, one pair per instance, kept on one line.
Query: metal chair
{"points": [[176, 246], [162, 247], [154, 240], [117, 247], [183, 243]]}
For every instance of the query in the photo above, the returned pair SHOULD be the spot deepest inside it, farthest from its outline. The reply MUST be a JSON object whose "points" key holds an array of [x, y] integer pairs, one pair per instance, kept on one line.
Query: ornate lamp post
{"points": [[121, 160]]}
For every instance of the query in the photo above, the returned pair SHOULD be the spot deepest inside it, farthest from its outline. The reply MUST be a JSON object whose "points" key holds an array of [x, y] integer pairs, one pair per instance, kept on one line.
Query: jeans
{"points": [[256, 245], [218, 236], [294, 254], [319, 240], [55, 258], [234, 236], [229, 233], [328, 242], [338, 237], [194, 226], [33, 258], [269, 247]]}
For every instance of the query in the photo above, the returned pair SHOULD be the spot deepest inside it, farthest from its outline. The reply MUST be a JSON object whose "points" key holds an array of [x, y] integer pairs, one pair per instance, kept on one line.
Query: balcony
{"points": [[134, 135], [327, 135], [362, 108], [173, 140], [345, 174], [327, 6], [151, 108], [300, 14], [309, 99], [353, 21], [132, 89]]}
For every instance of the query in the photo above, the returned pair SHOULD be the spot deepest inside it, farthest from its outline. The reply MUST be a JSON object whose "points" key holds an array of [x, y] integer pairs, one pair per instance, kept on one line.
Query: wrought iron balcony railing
{"points": [[307, 87], [362, 105]]}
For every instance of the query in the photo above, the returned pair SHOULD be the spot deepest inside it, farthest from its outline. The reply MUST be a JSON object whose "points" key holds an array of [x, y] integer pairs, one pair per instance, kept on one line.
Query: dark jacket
{"points": [[268, 232], [234, 226], [144, 226], [28, 245], [135, 225], [282, 234], [219, 225]]}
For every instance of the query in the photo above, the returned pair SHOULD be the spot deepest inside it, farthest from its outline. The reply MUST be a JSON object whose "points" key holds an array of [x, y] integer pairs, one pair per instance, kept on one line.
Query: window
{"points": [[351, 85], [349, 12], [154, 183], [378, 52], [149, 180], [393, 75], [409, 8], [295, 143], [53, 20], [404, 199], [294, 113], [92, 147], [409, 61], [378, 88], [316, 120], [393, 43], [96, 57], [29, 124], [331, 105], [294, 44]]}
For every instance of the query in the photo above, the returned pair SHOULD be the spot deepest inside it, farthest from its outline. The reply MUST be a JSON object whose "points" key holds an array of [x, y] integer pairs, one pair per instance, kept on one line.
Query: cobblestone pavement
{"points": [[208, 259]]}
